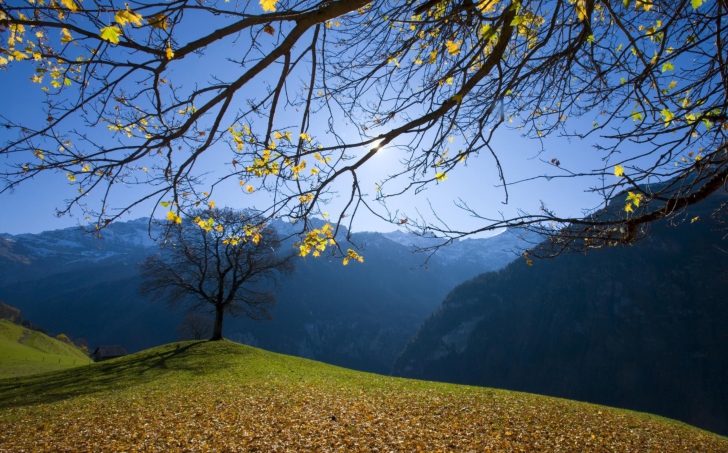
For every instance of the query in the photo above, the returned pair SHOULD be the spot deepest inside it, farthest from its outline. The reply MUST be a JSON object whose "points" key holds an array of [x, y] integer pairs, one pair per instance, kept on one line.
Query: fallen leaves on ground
{"points": [[320, 412], [268, 418]]}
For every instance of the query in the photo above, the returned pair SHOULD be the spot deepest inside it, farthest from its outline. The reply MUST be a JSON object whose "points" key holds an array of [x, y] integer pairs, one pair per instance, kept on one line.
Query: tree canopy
{"points": [[220, 263], [312, 90]]}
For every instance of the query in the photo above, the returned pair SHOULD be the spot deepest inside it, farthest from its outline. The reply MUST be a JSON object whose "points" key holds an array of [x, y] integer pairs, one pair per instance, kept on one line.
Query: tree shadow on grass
{"points": [[175, 361]]}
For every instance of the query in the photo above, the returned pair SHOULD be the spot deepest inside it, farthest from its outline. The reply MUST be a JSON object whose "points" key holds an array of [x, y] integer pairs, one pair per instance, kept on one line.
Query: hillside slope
{"points": [[222, 396], [24, 351], [637, 327]]}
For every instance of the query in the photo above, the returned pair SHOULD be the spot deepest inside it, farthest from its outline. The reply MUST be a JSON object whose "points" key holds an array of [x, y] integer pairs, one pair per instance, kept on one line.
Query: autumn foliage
{"points": [[250, 400]]}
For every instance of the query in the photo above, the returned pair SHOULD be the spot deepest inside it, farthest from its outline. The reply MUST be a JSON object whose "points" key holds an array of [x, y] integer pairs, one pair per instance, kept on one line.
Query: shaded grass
{"points": [[222, 396], [24, 352]]}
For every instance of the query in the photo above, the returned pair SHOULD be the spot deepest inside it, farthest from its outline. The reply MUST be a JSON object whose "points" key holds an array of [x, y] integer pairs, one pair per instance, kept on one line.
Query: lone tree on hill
{"points": [[219, 262], [305, 93]]}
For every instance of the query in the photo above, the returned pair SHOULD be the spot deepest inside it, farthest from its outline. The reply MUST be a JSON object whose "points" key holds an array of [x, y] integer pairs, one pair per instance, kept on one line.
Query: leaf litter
{"points": [[266, 402]]}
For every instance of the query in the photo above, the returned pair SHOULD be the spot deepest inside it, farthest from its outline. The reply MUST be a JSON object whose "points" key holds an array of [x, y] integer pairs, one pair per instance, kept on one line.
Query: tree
{"points": [[220, 262], [64, 338], [194, 326], [436, 80]]}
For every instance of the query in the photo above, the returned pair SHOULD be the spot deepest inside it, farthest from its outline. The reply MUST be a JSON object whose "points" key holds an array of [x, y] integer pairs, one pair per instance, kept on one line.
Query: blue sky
{"points": [[33, 204]]}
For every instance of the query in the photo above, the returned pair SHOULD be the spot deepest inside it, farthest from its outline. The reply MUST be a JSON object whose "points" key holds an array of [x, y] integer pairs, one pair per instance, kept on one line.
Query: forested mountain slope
{"points": [[639, 327]]}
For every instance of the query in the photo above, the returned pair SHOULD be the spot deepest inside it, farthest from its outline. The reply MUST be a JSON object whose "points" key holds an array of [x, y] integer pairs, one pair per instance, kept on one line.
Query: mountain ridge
{"points": [[358, 316]]}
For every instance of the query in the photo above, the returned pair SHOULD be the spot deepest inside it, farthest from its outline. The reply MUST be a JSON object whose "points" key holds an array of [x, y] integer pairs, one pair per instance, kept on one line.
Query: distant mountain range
{"points": [[640, 327], [359, 316]]}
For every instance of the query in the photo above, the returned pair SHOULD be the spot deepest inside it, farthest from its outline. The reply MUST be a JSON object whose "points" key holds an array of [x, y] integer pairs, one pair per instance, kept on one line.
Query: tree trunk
{"points": [[217, 331]]}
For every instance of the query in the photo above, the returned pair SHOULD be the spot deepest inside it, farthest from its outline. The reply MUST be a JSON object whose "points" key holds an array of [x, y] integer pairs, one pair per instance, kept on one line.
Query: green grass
{"points": [[223, 396], [24, 351]]}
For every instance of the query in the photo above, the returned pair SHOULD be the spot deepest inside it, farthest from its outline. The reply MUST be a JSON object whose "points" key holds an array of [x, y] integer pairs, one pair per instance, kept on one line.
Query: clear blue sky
{"points": [[31, 207]]}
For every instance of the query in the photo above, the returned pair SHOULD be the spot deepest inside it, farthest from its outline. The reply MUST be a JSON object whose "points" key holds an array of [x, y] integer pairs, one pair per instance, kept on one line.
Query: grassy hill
{"points": [[24, 351], [223, 396]]}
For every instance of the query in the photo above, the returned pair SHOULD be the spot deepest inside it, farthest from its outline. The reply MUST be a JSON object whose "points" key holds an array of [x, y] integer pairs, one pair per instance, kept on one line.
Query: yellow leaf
{"points": [[70, 4], [453, 48], [71, 177], [66, 36], [268, 5], [643, 4], [158, 21], [628, 208], [618, 170], [126, 16], [440, 176], [249, 188], [111, 34], [635, 198], [173, 217], [170, 53], [694, 219], [488, 6]]}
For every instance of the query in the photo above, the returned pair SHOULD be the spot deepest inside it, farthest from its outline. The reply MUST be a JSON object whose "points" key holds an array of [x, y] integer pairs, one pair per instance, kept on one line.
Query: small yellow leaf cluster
{"points": [[71, 5], [306, 198], [633, 199], [527, 25], [618, 170], [580, 8], [352, 255], [264, 165], [232, 240], [283, 135], [16, 36], [316, 241], [190, 109], [173, 217], [158, 21], [239, 136], [296, 169], [255, 233], [321, 158], [644, 5], [127, 16], [453, 47], [206, 225]]}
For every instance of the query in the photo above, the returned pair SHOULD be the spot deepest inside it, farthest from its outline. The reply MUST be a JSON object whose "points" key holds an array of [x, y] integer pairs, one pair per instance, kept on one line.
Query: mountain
{"points": [[359, 316], [640, 327]]}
